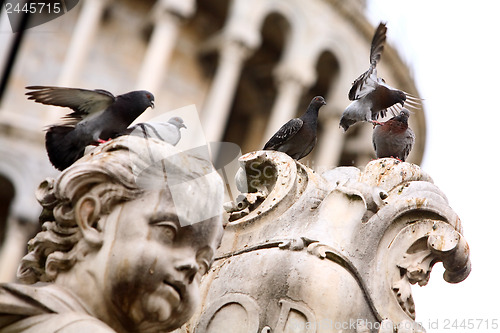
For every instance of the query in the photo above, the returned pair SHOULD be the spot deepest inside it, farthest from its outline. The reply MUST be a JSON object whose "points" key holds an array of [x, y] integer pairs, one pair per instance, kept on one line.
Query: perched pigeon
{"points": [[298, 136], [394, 138], [97, 116], [168, 132], [370, 94]]}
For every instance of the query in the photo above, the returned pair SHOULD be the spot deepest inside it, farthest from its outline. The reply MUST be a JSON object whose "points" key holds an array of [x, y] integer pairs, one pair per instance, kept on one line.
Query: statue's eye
{"points": [[167, 230]]}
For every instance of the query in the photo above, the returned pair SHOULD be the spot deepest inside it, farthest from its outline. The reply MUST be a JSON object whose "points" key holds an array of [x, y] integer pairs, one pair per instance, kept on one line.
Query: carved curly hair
{"points": [[110, 174]]}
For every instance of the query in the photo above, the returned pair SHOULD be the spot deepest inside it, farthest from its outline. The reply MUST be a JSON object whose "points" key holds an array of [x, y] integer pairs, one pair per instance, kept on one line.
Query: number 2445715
{"points": [[471, 324], [33, 7]]}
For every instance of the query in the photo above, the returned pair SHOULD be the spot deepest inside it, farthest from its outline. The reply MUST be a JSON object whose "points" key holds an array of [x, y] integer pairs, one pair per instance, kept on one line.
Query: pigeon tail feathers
{"points": [[62, 153]]}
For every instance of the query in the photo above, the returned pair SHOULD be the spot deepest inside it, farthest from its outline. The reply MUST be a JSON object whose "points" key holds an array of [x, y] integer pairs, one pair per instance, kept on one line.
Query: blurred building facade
{"points": [[247, 66]]}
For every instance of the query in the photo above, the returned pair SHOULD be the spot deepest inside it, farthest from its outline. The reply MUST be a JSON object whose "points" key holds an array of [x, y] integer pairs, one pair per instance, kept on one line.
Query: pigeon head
{"points": [[345, 123], [131, 105], [177, 122], [147, 98], [318, 101], [403, 116], [142, 99]]}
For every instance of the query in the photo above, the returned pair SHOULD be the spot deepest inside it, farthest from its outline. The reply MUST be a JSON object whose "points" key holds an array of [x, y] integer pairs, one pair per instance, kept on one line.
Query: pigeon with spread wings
{"points": [[298, 136], [370, 94], [97, 116]]}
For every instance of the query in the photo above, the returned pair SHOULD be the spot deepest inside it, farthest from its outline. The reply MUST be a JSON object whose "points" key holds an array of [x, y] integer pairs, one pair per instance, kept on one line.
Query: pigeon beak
{"points": [[152, 104], [183, 126], [402, 103]]}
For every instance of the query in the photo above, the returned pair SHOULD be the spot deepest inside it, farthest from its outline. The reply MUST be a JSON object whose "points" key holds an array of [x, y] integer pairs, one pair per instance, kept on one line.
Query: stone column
{"points": [[217, 105], [168, 15], [78, 49], [291, 83], [12, 249], [81, 40], [332, 142]]}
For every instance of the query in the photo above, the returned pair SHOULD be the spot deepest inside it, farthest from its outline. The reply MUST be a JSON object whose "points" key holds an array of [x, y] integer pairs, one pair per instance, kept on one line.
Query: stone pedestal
{"points": [[335, 252]]}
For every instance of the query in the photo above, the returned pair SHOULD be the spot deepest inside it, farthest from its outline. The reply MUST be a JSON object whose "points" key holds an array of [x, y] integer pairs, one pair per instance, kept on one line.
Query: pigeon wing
{"points": [[410, 141], [285, 133], [160, 131], [378, 42], [83, 102], [367, 81], [364, 84]]}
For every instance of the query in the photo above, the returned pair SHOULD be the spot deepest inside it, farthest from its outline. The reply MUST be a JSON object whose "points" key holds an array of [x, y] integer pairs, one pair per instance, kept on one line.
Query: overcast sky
{"points": [[453, 49]]}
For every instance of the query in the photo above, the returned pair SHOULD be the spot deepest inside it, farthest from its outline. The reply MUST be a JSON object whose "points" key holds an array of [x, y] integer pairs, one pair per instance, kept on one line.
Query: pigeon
{"points": [[97, 116], [370, 94], [168, 132], [394, 138], [298, 136]]}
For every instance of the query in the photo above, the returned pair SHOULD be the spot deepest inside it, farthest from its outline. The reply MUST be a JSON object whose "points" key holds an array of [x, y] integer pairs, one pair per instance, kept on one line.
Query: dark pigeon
{"points": [[298, 136], [97, 116], [169, 132], [370, 94], [394, 138]]}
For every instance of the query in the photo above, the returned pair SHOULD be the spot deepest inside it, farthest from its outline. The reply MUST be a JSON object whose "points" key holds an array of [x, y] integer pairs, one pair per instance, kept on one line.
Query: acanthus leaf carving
{"points": [[438, 242], [417, 266]]}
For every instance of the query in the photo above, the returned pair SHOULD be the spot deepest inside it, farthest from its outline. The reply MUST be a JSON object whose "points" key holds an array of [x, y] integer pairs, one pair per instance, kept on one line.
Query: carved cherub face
{"points": [[155, 265]]}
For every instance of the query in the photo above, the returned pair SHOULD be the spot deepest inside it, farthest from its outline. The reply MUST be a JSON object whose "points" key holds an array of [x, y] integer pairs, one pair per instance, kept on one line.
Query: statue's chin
{"points": [[161, 310]]}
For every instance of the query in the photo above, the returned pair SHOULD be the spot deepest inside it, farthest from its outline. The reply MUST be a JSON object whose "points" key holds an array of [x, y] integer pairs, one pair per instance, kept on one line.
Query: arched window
{"points": [[256, 89], [327, 71], [7, 193]]}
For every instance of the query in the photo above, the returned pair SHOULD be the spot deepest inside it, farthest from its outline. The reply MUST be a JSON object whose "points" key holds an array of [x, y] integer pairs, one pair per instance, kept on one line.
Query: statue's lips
{"points": [[172, 292]]}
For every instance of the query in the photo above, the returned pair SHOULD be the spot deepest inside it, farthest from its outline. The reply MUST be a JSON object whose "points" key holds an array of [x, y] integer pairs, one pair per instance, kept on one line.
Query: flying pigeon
{"points": [[370, 94], [394, 138], [298, 136], [168, 132], [97, 116]]}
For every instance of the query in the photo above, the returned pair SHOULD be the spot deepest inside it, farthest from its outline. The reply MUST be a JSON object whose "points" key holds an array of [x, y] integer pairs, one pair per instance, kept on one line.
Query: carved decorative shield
{"points": [[335, 252]]}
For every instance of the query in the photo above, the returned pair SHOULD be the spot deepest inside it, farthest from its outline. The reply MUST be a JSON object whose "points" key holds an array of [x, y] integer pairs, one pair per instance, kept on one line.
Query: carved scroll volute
{"points": [[399, 244], [270, 184], [259, 173], [416, 249]]}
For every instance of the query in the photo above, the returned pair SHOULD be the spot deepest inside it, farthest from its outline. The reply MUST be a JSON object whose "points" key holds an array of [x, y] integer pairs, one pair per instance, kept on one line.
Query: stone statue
{"points": [[335, 252], [128, 231]]}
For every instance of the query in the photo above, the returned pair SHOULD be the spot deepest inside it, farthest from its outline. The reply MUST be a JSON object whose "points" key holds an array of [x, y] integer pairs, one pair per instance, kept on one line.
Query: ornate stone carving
{"points": [[430, 241], [127, 234], [331, 252]]}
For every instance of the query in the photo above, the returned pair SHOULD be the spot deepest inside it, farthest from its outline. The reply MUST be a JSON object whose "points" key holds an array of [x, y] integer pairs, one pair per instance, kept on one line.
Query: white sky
{"points": [[453, 49]]}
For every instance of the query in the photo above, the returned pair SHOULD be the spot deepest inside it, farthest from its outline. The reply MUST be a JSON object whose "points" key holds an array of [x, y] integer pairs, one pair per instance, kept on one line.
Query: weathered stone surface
{"points": [[328, 253], [119, 250]]}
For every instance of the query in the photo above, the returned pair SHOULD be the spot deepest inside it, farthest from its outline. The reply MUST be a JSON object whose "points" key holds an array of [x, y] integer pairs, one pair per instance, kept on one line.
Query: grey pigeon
{"points": [[97, 116], [168, 132], [394, 138], [370, 94], [298, 136]]}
